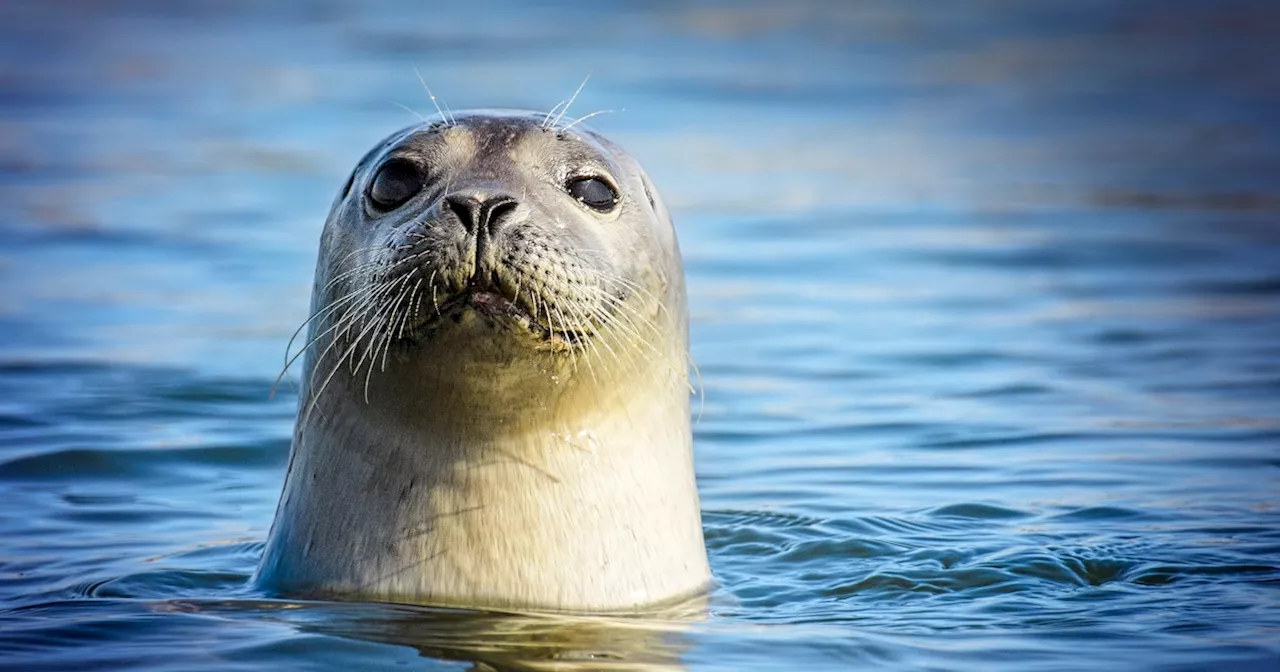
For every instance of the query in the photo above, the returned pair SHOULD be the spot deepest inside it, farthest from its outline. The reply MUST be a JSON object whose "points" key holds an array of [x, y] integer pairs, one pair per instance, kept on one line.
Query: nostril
{"points": [[467, 209], [476, 214], [497, 209]]}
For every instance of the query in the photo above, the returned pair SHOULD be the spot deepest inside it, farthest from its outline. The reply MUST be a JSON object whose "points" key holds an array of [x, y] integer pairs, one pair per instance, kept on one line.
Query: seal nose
{"points": [[481, 211]]}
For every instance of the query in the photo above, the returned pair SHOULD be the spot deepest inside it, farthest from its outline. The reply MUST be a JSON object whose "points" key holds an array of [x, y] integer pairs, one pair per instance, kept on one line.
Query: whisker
{"points": [[547, 119], [410, 110], [373, 300], [446, 118], [590, 342], [332, 306], [381, 319], [585, 117], [571, 99], [628, 313]]}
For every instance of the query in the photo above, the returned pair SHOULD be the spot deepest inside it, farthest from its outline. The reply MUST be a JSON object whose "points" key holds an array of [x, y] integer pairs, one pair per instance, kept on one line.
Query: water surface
{"points": [[985, 300]]}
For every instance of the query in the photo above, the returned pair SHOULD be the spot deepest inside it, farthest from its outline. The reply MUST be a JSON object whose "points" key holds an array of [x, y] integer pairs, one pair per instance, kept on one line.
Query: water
{"points": [[985, 299]]}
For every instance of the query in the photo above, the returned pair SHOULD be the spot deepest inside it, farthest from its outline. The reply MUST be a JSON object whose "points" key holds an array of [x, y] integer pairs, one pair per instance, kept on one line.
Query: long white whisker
{"points": [[382, 320], [546, 120], [585, 117], [571, 99], [373, 300], [288, 362], [446, 118], [627, 312], [410, 110], [579, 317]]}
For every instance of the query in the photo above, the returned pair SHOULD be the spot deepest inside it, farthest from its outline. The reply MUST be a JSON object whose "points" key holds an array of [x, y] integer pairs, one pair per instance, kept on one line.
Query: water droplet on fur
{"points": [[587, 440]]}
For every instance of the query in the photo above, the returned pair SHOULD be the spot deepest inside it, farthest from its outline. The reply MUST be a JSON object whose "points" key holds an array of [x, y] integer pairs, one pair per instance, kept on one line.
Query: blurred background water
{"points": [[985, 297]]}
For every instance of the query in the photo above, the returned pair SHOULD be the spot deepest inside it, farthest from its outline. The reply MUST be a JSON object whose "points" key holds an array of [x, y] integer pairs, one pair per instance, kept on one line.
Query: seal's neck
{"points": [[569, 504]]}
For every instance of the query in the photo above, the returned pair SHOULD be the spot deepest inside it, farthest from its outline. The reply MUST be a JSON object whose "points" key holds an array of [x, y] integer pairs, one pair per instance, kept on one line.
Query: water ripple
{"points": [[983, 295]]}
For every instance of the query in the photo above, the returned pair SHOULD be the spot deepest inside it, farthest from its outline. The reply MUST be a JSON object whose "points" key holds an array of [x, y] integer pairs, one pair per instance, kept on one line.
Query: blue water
{"points": [[985, 300]]}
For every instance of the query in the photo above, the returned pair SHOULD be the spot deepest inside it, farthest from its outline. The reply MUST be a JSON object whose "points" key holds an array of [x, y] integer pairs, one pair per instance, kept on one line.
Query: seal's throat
{"points": [[595, 512]]}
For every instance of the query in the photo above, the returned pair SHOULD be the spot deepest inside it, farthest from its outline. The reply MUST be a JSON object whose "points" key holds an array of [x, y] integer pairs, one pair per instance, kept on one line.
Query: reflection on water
{"points": [[984, 299], [494, 641]]}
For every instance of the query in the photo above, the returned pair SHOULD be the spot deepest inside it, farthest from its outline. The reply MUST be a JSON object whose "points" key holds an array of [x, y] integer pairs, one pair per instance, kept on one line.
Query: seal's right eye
{"points": [[594, 192], [396, 182]]}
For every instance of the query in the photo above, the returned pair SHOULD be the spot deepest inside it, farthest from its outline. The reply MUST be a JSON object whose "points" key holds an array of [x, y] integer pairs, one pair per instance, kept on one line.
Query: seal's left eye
{"points": [[594, 192], [396, 182]]}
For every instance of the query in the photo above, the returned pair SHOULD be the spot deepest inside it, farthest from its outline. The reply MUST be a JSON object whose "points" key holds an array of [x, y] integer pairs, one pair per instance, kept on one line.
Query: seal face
{"points": [[494, 407]]}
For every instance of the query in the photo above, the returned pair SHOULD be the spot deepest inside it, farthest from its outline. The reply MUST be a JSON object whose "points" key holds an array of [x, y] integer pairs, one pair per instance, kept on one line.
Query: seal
{"points": [[494, 409]]}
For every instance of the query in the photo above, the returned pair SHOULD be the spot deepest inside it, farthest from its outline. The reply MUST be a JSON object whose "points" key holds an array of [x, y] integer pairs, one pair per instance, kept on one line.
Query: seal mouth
{"points": [[495, 306]]}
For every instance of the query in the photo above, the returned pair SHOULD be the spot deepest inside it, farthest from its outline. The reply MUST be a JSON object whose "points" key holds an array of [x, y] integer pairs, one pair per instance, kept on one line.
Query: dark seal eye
{"points": [[594, 192], [396, 182]]}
